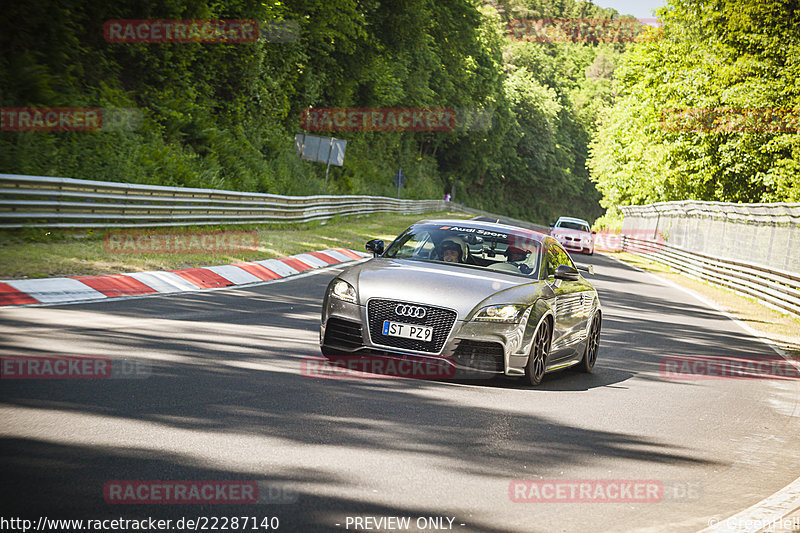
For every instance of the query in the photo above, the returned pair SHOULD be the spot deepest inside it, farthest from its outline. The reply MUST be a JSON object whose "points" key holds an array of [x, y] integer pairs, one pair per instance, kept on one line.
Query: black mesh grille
{"points": [[441, 320], [343, 333], [487, 356]]}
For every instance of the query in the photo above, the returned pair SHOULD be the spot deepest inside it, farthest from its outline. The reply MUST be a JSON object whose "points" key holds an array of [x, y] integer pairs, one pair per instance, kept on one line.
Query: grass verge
{"points": [[42, 253], [781, 329]]}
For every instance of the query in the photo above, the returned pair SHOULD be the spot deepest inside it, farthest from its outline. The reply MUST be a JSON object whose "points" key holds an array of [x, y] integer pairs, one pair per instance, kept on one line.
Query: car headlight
{"points": [[501, 313], [343, 291]]}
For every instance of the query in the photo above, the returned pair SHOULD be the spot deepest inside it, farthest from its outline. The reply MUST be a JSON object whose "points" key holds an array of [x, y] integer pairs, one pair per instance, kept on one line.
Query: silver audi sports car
{"points": [[477, 297]]}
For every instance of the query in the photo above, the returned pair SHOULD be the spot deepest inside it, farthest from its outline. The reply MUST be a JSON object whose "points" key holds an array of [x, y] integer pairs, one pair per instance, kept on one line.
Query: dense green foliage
{"points": [[224, 115], [712, 55]]}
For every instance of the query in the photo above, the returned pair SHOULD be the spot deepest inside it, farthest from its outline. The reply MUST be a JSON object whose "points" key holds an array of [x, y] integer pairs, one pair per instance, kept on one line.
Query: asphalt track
{"points": [[223, 397]]}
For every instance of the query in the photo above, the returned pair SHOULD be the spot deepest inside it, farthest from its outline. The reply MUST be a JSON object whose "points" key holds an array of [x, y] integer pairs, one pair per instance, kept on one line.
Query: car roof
{"points": [[571, 219], [490, 226]]}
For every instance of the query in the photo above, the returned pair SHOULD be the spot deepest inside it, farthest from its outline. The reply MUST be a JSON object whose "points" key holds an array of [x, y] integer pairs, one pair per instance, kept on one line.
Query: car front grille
{"points": [[486, 356], [343, 333], [441, 320]]}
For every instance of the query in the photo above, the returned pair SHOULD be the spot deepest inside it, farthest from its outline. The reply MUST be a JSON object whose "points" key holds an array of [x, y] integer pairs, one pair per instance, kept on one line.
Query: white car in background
{"points": [[574, 234]]}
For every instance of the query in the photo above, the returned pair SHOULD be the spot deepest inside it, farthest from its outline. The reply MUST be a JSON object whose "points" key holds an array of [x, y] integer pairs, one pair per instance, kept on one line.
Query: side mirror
{"points": [[375, 246], [594, 232], [567, 273], [553, 225]]}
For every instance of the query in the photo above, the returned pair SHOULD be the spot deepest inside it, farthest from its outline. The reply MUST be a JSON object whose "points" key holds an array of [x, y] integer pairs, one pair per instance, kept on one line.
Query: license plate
{"points": [[407, 331]]}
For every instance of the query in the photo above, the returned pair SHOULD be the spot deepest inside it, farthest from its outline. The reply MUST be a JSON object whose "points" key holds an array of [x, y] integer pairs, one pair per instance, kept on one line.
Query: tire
{"points": [[592, 346], [540, 349]]}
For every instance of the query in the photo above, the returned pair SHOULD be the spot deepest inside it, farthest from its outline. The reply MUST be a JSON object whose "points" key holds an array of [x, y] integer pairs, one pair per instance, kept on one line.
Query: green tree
{"points": [[709, 55]]}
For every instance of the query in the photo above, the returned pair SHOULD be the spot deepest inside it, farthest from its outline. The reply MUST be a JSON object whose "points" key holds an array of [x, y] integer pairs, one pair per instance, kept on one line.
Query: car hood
{"points": [[570, 232], [457, 287]]}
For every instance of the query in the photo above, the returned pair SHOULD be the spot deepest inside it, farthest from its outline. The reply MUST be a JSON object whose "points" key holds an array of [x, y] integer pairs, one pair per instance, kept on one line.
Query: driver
{"points": [[452, 251], [517, 257]]}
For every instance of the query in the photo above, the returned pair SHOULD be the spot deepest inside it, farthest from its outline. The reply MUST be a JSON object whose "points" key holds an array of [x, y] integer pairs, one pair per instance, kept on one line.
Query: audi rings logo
{"points": [[410, 311]]}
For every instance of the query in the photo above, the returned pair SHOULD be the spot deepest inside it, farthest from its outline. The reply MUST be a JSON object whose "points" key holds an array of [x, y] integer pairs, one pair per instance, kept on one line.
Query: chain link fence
{"points": [[763, 234], [752, 249]]}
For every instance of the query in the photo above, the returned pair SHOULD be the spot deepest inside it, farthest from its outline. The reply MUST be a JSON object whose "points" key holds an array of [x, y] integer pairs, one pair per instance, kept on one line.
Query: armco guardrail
{"points": [[776, 288], [766, 234], [45, 202]]}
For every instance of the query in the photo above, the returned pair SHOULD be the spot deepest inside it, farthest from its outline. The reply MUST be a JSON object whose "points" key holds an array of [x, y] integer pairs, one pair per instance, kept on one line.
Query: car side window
{"points": [[563, 257], [417, 246], [425, 247], [551, 262]]}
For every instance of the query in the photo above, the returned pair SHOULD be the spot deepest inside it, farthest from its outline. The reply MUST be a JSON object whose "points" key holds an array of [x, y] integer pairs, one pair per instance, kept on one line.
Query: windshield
{"points": [[572, 225], [515, 252]]}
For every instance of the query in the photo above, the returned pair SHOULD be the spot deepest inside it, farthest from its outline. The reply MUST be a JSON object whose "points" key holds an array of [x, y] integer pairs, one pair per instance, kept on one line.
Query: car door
{"points": [[567, 307], [581, 303]]}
